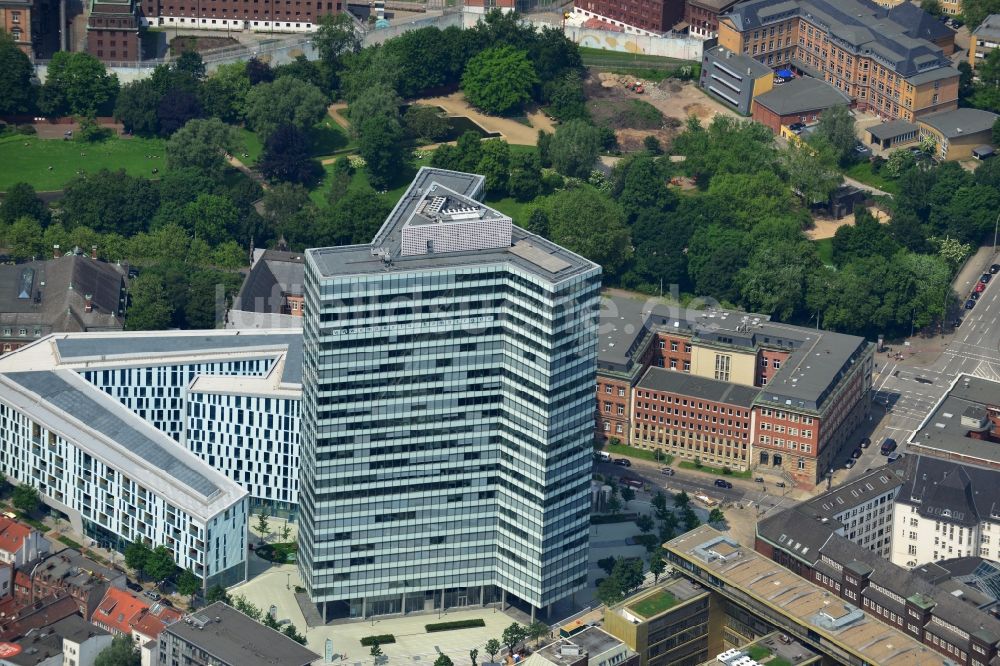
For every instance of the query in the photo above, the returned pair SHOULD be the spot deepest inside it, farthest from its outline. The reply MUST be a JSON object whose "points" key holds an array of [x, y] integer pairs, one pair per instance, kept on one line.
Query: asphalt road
{"points": [[906, 391]]}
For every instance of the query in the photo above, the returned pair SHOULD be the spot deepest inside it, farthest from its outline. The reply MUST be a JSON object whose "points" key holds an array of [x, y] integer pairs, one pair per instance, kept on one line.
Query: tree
{"points": [[614, 505], [379, 100], [586, 222], [443, 660], [26, 498], [499, 80], [24, 239], [122, 652], [286, 100], [656, 565], [836, 129], [17, 92], [567, 100], [609, 592], [271, 622], [512, 635], [899, 162], [224, 94], [160, 564], [334, 36], [382, 147], [628, 573], [473, 656], [263, 527], [716, 516], [217, 593], [191, 63], [109, 201], [932, 7], [175, 109], [21, 200], [811, 173], [495, 165], [376, 651], [259, 71], [285, 532], [644, 522], [538, 222], [136, 555], [524, 182], [607, 564], [354, 219], [681, 500], [77, 84], [187, 583], [659, 503], [425, 122], [774, 279], [652, 145], [294, 634], [627, 494], [202, 144], [240, 603], [492, 648], [690, 519], [537, 631], [287, 156], [574, 147], [148, 308]]}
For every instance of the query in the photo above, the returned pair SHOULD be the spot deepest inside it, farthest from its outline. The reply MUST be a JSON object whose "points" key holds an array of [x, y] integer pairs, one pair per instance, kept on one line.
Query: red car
{"points": [[980, 287]]}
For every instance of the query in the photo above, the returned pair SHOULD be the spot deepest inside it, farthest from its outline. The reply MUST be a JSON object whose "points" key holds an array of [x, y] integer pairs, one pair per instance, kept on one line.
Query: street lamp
{"points": [[288, 580]]}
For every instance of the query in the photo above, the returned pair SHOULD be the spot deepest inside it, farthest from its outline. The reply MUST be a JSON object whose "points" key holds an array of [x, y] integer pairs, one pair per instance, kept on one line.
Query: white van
{"points": [[603, 456]]}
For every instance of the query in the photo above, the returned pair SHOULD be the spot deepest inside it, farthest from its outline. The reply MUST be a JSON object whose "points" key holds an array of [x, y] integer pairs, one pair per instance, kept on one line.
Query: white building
{"points": [[128, 436], [945, 510], [20, 543]]}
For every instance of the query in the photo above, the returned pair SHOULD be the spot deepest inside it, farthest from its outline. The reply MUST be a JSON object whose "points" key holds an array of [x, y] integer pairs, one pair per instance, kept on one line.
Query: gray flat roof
{"points": [[891, 129], [990, 27], [800, 95], [960, 122], [943, 430], [740, 63], [661, 379], [54, 389], [936, 74], [237, 640], [384, 253]]}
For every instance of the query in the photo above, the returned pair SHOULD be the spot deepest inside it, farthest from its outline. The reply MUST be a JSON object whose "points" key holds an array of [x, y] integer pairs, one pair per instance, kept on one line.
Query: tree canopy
{"points": [[17, 92], [499, 80], [77, 84]]}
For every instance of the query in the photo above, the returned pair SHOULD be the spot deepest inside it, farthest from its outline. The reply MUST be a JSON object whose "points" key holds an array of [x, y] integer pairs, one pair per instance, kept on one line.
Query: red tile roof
{"points": [[12, 534], [118, 610], [150, 624]]}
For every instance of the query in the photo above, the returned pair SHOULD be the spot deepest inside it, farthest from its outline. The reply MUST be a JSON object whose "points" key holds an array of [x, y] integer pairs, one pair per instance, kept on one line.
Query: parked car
{"points": [[759, 479], [856, 453], [893, 457], [624, 462], [850, 463], [722, 483], [666, 471], [969, 304], [633, 483], [980, 287], [135, 587], [862, 150], [603, 456], [780, 484], [994, 269], [957, 323], [797, 127], [985, 278], [974, 296], [888, 446], [153, 594], [866, 442]]}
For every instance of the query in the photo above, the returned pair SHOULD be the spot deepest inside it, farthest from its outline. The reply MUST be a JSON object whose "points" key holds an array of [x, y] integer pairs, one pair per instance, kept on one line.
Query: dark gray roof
{"points": [[855, 493], [936, 74], [891, 129], [50, 295], [274, 274], [949, 491], [81, 348], [900, 40], [237, 640], [960, 122], [54, 389], [918, 23], [39, 645], [740, 63], [661, 379], [801, 95], [528, 252], [717, 6]]}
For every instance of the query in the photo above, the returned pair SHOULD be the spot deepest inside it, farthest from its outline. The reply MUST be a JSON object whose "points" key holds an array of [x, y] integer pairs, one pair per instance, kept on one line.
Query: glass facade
{"points": [[447, 428]]}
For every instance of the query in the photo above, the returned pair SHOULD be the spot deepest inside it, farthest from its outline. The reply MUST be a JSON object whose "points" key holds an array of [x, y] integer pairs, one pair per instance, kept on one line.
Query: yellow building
{"points": [[957, 133], [891, 62], [984, 39]]}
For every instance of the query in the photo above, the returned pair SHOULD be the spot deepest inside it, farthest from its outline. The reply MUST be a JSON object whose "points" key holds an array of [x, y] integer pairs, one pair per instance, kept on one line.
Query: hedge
{"points": [[382, 639], [457, 624]]}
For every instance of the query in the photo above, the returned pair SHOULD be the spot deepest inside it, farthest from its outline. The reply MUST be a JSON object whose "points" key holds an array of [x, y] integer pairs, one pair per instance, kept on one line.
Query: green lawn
{"points": [[863, 172], [359, 181], [27, 159], [824, 248], [519, 211], [654, 604], [326, 137], [758, 652], [588, 54], [633, 452], [717, 471], [252, 145]]}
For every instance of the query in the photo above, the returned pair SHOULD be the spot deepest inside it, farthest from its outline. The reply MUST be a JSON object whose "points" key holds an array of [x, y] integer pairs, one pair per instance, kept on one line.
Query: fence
{"points": [[680, 48]]}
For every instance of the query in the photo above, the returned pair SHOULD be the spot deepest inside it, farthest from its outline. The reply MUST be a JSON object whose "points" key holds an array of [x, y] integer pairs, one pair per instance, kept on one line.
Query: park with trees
{"points": [[252, 155]]}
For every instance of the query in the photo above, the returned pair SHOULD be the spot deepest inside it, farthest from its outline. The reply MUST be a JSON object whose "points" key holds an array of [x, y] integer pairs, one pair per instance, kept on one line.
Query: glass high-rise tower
{"points": [[447, 410]]}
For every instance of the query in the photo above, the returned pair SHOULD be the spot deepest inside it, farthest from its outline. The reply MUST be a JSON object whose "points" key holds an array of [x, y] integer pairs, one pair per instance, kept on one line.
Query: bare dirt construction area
{"points": [[826, 228], [610, 100]]}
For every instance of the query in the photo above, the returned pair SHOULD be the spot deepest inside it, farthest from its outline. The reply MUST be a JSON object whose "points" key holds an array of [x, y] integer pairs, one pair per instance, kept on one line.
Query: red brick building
{"points": [[791, 412], [801, 100], [113, 31], [254, 15], [702, 16], [638, 16]]}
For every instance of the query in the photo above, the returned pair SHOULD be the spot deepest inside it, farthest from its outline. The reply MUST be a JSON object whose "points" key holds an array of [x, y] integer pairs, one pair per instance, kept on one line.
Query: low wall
{"points": [[681, 48]]}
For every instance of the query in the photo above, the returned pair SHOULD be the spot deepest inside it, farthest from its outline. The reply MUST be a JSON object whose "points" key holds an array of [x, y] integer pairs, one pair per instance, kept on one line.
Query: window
{"points": [[722, 363], [776, 364], [687, 366], [607, 425], [15, 17], [673, 345], [607, 408], [22, 331], [618, 428], [607, 389], [621, 393], [621, 410]]}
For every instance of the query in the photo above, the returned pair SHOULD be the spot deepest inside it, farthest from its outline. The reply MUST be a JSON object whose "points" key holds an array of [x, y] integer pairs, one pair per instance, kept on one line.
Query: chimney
{"points": [[55, 251], [88, 302], [93, 252]]}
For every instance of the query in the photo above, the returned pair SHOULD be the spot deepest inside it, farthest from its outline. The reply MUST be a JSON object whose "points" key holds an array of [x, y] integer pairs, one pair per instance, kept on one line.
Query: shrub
{"points": [[381, 639], [457, 624], [26, 129]]}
